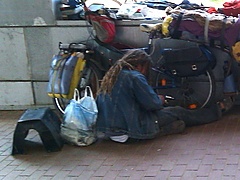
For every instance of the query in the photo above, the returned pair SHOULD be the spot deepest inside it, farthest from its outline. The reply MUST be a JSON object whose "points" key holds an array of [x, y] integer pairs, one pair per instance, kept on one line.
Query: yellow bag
{"points": [[64, 75], [166, 22], [236, 51]]}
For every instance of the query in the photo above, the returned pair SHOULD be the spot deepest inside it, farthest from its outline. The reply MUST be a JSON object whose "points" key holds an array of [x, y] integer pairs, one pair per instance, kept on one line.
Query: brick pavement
{"points": [[209, 151]]}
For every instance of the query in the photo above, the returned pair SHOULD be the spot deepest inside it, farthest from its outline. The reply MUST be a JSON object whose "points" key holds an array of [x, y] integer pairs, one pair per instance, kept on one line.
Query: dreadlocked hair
{"points": [[129, 61]]}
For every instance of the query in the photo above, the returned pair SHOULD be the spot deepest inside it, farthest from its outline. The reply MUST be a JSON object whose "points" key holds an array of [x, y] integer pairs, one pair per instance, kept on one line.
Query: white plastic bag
{"points": [[78, 126], [89, 108]]}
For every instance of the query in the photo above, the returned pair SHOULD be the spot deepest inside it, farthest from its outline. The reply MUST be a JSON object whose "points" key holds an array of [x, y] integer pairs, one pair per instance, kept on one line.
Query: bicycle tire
{"points": [[95, 76], [188, 92]]}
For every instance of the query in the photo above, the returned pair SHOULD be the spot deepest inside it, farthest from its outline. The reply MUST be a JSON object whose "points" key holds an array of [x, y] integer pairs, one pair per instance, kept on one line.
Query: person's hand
{"points": [[162, 98]]}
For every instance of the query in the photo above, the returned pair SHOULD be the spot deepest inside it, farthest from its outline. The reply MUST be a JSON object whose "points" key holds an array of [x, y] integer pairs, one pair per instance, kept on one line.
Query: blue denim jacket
{"points": [[130, 109]]}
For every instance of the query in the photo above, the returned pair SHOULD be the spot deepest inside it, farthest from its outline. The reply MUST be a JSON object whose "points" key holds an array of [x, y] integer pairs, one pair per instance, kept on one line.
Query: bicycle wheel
{"points": [[91, 76], [188, 92]]}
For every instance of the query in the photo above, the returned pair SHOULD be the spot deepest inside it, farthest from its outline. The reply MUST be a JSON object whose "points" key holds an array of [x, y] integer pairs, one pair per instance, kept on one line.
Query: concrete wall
{"points": [[27, 12], [30, 34]]}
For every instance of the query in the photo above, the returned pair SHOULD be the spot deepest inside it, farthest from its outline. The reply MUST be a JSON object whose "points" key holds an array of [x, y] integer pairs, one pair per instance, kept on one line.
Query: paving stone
{"points": [[208, 152]]}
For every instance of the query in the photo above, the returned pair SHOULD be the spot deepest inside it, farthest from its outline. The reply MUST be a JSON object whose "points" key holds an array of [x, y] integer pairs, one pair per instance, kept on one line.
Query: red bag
{"points": [[103, 25], [212, 10], [231, 8]]}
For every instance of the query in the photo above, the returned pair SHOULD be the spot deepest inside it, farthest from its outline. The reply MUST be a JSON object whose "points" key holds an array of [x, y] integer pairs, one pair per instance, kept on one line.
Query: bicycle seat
{"points": [[144, 27]]}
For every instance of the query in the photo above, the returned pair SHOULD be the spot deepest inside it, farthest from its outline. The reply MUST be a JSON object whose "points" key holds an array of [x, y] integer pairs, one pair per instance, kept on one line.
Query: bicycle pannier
{"points": [[64, 75], [190, 61], [103, 25]]}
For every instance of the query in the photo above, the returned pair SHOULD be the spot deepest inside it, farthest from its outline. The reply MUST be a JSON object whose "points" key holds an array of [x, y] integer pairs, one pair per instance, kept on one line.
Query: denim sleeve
{"points": [[145, 94]]}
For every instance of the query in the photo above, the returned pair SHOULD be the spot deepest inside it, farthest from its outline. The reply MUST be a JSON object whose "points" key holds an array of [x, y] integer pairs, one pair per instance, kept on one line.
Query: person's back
{"points": [[127, 104], [130, 108]]}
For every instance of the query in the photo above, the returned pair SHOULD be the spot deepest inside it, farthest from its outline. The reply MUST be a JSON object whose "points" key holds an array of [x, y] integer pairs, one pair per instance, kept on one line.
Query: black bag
{"points": [[191, 61]]}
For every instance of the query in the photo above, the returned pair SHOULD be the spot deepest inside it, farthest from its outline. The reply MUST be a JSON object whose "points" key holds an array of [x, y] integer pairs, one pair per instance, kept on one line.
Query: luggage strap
{"points": [[222, 32], [175, 34]]}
